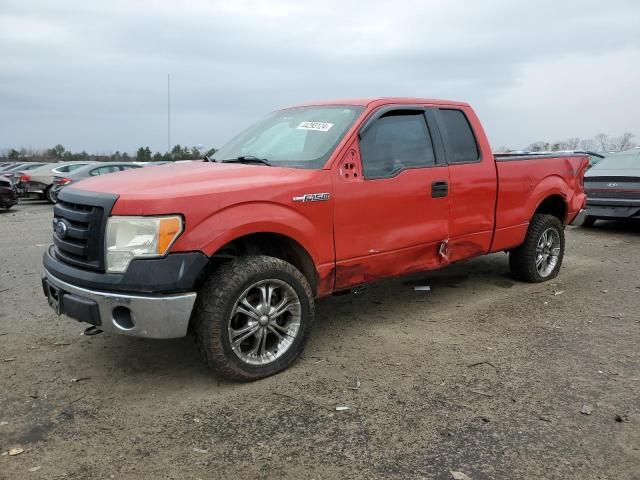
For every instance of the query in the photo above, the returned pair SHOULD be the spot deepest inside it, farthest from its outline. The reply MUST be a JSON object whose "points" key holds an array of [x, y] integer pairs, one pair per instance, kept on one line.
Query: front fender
{"points": [[309, 229]]}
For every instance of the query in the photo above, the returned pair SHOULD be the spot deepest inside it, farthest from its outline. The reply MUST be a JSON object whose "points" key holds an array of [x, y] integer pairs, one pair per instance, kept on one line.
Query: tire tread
{"points": [[522, 259], [213, 301]]}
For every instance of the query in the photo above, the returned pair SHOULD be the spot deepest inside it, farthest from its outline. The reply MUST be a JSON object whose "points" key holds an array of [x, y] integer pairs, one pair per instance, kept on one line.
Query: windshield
{"points": [[620, 160], [300, 137]]}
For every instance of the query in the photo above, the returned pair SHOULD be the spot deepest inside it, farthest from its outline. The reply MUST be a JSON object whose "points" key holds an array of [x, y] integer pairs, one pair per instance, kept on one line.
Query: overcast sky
{"points": [[93, 75]]}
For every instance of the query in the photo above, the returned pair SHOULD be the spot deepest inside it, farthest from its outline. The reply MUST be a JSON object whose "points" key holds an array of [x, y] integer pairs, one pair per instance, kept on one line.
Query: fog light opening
{"points": [[122, 318]]}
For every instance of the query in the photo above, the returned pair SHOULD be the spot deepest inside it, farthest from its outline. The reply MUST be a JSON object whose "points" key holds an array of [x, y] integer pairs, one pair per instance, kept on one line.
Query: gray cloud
{"points": [[93, 75]]}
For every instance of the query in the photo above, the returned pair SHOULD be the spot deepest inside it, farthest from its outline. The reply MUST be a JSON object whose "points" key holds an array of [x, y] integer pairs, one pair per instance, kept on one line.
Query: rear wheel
{"points": [[539, 258], [253, 317], [589, 221]]}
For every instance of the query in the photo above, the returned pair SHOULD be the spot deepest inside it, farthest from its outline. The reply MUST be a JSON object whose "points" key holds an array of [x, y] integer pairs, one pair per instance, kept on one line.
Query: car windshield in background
{"points": [[620, 160], [300, 137]]}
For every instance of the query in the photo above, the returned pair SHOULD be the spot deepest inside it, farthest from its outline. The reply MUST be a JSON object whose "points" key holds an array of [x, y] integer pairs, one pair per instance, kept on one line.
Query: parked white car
{"points": [[40, 180]]}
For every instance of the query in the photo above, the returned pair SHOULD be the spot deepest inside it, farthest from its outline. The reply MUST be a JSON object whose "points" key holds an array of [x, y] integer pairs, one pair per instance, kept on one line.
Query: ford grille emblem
{"points": [[61, 229]]}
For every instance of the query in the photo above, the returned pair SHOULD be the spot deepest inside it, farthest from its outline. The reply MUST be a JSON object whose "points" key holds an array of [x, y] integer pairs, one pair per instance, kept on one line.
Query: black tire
{"points": [[49, 196], [589, 221], [522, 260], [215, 304]]}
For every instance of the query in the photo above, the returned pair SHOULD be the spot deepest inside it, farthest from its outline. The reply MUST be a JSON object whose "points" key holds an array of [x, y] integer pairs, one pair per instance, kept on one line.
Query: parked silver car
{"points": [[613, 187], [98, 168], [39, 181]]}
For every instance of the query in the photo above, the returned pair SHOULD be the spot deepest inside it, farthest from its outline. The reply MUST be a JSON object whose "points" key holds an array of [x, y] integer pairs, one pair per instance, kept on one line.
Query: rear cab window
{"points": [[460, 142]]}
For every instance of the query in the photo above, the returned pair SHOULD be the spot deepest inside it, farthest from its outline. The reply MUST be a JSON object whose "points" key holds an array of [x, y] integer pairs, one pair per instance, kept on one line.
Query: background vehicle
{"points": [[11, 173], [613, 187], [9, 165], [8, 194], [87, 171], [312, 200], [40, 180]]}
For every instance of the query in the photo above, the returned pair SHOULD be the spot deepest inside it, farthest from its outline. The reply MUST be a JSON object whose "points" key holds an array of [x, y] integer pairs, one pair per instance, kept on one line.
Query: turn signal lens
{"points": [[168, 231]]}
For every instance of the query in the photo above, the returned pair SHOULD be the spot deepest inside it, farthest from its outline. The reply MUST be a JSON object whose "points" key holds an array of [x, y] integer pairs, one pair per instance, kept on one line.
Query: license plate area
{"points": [[54, 296]]}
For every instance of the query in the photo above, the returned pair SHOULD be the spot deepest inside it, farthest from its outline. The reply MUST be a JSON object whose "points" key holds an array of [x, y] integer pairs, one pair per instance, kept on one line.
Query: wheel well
{"points": [[274, 245], [553, 205]]}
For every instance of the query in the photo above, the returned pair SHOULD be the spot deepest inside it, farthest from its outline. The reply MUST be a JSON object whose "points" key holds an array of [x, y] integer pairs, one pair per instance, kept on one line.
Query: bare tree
{"points": [[625, 142], [603, 142], [588, 144], [572, 143], [538, 147]]}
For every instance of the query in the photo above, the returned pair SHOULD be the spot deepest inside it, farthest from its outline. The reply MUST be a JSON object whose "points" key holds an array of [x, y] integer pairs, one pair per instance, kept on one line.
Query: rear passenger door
{"points": [[473, 183], [391, 199]]}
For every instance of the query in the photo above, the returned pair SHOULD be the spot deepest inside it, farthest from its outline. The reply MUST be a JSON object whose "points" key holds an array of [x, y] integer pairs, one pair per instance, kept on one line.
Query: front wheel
{"points": [[539, 258], [253, 317]]}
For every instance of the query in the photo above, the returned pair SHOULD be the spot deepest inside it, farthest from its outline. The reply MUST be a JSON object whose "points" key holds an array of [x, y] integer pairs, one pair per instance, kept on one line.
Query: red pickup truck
{"points": [[312, 200]]}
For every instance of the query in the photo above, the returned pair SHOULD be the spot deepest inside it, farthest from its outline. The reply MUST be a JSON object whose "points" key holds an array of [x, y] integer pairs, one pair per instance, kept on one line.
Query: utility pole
{"points": [[168, 112]]}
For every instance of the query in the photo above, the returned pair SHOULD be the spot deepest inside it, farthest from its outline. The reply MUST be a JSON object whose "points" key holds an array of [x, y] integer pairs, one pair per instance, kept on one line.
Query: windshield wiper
{"points": [[247, 159]]}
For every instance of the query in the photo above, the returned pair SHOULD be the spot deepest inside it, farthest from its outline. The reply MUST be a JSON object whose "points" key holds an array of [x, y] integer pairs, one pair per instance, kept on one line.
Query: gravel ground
{"points": [[481, 375]]}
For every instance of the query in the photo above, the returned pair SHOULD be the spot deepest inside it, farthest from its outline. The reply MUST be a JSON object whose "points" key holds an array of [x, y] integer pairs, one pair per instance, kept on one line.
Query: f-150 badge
{"points": [[312, 197]]}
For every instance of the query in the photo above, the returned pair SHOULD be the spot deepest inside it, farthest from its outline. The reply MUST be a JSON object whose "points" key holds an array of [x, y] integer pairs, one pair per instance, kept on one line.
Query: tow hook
{"points": [[89, 331]]}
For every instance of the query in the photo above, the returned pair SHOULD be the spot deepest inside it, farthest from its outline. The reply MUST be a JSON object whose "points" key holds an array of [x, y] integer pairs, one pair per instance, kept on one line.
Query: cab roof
{"points": [[377, 101]]}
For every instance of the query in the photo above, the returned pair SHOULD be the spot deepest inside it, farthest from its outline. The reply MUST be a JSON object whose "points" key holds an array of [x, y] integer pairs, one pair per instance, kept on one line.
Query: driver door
{"points": [[391, 199]]}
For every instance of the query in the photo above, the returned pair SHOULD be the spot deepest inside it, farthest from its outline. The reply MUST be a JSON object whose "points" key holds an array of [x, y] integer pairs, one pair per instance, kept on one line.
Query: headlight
{"points": [[139, 237]]}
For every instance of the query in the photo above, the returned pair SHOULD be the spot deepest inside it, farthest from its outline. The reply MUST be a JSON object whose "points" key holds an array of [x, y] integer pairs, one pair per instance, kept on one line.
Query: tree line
{"points": [[600, 143], [144, 154]]}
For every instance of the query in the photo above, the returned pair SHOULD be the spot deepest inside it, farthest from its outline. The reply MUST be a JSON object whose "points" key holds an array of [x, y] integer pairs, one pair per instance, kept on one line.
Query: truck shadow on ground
{"points": [[341, 318]]}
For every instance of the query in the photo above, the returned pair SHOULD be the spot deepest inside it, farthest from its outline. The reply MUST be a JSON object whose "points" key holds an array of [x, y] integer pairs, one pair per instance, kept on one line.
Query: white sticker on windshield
{"points": [[317, 126]]}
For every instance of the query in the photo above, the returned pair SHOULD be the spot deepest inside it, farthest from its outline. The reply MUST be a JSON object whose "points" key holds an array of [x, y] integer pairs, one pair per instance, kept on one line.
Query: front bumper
{"points": [[613, 208], [150, 316]]}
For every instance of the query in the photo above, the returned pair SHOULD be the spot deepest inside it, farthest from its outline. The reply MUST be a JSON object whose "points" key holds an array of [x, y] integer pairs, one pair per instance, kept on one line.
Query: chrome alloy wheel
{"points": [[264, 322], [547, 252]]}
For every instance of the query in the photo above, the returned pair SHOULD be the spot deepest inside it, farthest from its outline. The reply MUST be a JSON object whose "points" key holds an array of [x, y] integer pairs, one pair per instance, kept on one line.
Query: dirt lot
{"points": [[482, 375]]}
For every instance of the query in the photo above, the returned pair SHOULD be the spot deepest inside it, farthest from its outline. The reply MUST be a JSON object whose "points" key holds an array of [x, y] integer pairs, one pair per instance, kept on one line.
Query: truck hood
{"points": [[186, 180]]}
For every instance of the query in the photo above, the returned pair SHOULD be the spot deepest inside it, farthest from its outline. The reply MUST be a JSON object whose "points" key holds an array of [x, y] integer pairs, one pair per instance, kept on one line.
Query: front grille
{"points": [[79, 221], [613, 194]]}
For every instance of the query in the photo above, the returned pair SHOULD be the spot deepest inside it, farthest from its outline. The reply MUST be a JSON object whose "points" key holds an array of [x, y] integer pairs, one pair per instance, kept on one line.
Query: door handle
{"points": [[439, 188]]}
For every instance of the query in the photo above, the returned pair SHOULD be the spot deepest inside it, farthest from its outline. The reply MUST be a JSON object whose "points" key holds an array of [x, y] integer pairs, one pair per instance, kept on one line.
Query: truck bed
{"points": [[524, 181]]}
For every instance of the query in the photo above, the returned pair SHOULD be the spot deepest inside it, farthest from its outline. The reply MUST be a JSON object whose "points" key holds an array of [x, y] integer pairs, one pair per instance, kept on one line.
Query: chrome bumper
{"points": [[579, 219], [149, 316]]}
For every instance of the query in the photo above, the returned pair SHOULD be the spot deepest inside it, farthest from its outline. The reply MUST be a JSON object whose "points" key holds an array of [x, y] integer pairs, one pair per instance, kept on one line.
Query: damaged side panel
{"points": [[358, 271]]}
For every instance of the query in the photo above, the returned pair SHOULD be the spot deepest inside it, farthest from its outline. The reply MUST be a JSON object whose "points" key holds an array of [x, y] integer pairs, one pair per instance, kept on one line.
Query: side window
{"points": [[396, 141], [105, 169], [127, 167], [459, 136]]}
